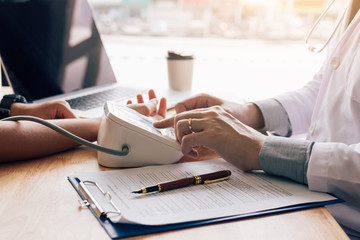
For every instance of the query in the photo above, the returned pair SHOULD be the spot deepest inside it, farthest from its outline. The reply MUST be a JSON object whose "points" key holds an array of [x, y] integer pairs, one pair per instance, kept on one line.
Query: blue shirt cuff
{"points": [[275, 117], [286, 157]]}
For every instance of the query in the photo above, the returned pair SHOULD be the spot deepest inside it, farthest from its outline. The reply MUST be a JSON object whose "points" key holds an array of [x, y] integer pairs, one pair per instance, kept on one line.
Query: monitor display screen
{"points": [[50, 47]]}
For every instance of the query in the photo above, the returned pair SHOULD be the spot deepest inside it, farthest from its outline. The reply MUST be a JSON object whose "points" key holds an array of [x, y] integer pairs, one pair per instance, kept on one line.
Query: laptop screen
{"points": [[50, 47]]}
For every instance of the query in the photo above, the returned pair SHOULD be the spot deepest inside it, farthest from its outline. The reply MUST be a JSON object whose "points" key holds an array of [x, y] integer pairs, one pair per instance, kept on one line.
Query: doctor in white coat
{"points": [[327, 109]]}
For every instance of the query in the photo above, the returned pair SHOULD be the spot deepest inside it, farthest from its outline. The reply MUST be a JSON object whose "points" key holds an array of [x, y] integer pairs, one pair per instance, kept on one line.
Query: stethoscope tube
{"points": [[319, 49]]}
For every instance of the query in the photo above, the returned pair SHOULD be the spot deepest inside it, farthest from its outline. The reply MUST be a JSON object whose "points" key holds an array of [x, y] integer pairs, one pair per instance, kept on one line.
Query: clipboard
{"points": [[117, 230]]}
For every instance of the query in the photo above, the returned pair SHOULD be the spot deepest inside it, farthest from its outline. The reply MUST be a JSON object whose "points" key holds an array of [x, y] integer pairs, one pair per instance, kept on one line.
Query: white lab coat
{"points": [[328, 109]]}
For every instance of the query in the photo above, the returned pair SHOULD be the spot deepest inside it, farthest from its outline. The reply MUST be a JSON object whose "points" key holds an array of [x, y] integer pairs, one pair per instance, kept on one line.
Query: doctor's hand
{"points": [[48, 110], [219, 131], [248, 113], [150, 108]]}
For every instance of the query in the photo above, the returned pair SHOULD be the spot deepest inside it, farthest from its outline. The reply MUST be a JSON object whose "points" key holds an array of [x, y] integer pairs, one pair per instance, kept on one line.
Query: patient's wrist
{"points": [[18, 109], [255, 116]]}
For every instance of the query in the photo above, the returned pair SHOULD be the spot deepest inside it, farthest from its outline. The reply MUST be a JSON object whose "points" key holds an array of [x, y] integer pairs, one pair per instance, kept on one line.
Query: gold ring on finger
{"points": [[190, 125]]}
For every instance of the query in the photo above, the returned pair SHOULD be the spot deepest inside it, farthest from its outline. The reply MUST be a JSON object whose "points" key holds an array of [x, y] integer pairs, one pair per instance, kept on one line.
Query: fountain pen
{"points": [[184, 182]]}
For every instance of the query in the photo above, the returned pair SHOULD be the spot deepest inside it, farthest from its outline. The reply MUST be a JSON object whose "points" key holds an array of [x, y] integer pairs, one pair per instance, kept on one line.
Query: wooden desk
{"points": [[38, 202]]}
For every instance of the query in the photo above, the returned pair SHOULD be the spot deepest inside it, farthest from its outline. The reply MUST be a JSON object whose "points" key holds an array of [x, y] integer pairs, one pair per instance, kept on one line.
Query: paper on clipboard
{"points": [[243, 193]]}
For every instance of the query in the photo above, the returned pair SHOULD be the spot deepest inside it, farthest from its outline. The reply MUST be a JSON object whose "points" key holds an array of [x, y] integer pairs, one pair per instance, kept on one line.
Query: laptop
{"points": [[51, 50]]}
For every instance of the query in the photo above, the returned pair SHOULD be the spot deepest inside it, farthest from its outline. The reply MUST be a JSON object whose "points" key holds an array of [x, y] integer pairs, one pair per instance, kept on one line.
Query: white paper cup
{"points": [[180, 71]]}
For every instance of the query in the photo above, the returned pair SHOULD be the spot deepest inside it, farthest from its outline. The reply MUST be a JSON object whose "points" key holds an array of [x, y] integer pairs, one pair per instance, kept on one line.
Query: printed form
{"points": [[244, 192]]}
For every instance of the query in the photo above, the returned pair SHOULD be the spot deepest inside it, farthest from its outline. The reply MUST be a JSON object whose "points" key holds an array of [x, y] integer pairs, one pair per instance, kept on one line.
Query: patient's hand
{"points": [[48, 110], [150, 108]]}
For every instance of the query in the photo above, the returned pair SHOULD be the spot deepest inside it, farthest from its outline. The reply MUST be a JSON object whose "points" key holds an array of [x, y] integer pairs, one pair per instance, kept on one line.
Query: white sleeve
{"points": [[299, 104], [335, 168]]}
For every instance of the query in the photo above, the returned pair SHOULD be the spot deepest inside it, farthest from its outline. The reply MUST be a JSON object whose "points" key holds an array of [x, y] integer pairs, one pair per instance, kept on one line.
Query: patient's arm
{"points": [[26, 140]]}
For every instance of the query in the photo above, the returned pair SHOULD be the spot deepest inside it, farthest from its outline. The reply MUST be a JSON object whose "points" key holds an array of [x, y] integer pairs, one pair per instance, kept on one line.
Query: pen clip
{"points": [[216, 180]]}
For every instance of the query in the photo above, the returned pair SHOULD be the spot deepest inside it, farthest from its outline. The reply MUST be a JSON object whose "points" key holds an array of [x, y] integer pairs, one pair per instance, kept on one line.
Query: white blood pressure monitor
{"points": [[147, 145]]}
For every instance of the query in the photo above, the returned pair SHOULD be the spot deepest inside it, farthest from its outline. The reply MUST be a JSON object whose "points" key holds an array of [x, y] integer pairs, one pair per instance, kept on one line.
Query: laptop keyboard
{"points": [[98, 99]]}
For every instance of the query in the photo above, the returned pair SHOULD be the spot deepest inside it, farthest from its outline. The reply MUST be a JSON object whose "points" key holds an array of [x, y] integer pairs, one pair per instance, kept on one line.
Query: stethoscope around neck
{"points": [[319, 49]]}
